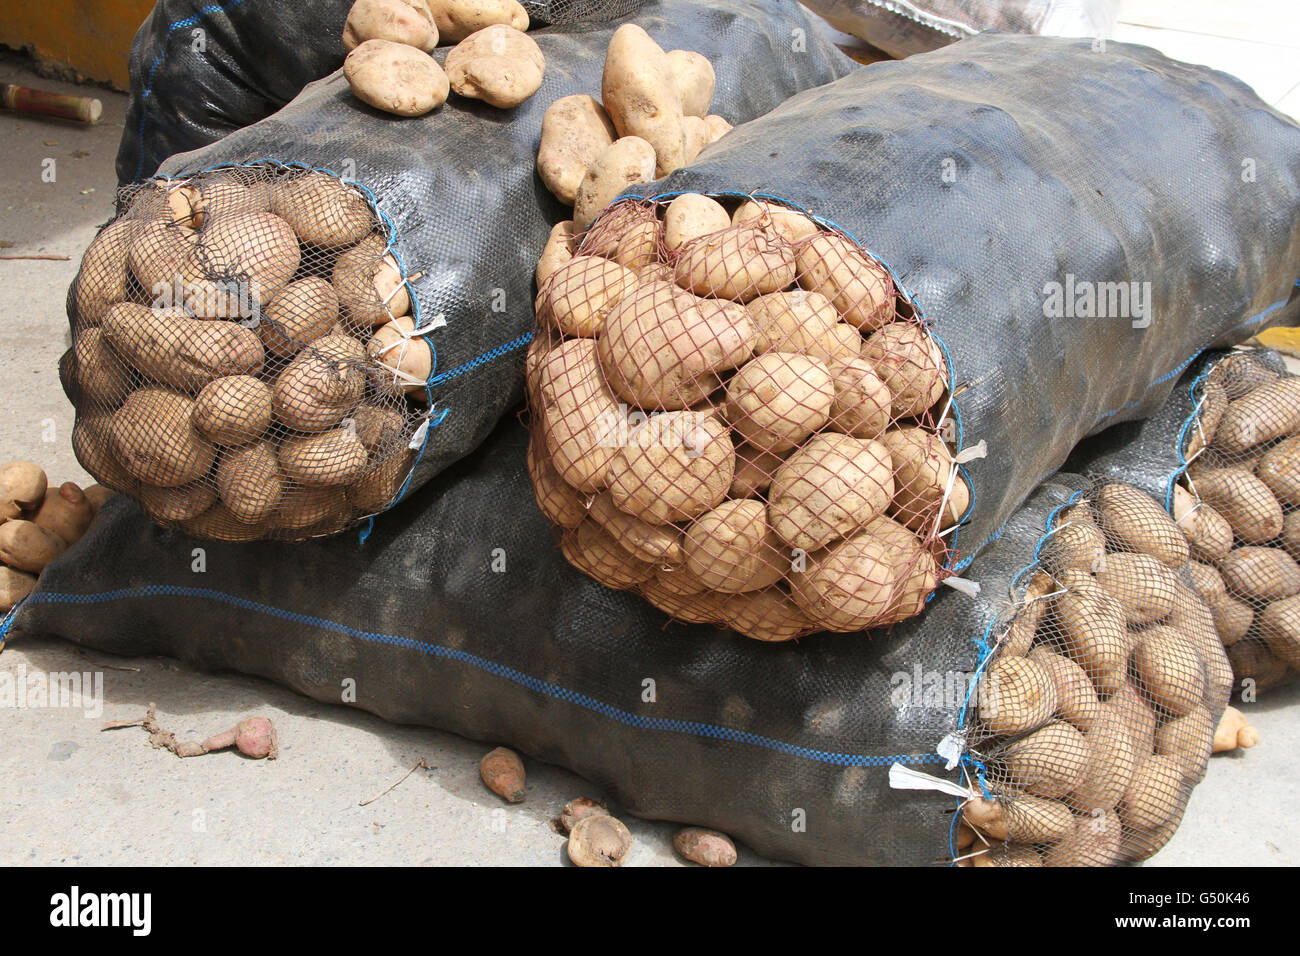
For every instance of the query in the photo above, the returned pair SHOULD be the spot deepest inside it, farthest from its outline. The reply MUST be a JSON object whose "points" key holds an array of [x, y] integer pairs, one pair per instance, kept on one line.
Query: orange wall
{"points": [[91, 36]]}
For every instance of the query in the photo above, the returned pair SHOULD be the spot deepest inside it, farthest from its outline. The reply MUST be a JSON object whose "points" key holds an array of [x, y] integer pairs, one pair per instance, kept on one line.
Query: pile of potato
{"points": [[1238, 504], [389, 67], [738, 415], [243, 352], [37, 523], [654, 119], [1098, 710]]}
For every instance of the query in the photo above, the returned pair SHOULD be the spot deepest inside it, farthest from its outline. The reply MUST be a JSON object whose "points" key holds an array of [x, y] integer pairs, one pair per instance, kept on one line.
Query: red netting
{"points": [[738, 414], [243, 358]]}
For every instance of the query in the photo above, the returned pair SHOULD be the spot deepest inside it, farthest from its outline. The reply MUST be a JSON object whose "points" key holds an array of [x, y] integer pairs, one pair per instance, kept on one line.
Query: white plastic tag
{"points": [[417, 440], [965, 585], [979, 450], [950, 749], [905, 778]]}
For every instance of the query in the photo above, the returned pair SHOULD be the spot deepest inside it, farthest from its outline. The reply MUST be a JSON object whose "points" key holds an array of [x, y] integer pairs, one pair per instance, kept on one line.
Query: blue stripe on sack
{"points": [[1182, 435], [664, 724], [503, 349]]}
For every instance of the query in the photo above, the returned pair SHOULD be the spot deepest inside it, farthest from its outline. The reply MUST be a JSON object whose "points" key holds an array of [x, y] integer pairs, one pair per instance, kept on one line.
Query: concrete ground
{"points": [[74, 794]]}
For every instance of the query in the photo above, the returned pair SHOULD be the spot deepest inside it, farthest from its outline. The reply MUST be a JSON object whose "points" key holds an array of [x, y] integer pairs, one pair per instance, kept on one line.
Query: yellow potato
{"points": [[401, 21], [499, 65], [832, 487], [778, 399], [859, 287], [396, 78], [695, 81], [457, 19], [233, 410], [628, 160], [581, 293], [732, 549], [640, 94], [738, 263], [580, 417], [575, 130], [153, 438], [690, 216], [910, 363]]}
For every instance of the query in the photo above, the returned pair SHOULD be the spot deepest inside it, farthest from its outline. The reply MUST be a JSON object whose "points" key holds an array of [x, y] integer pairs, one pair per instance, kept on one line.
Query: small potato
{"points": [[657, 544], [1018, 694], [249, 481], [717, 126], [674, 467], [768, 615], [152, 436], [754, 471], [695, 81], [503, 772], [22, 487], [578, 809], [177, 504], [1145, 588], [322, 385], [1279, 470], [557, 252], [691, 216], [1233, 731], [1076, 699], [329, 458], [102, 279], [1244, 500], [922, 468], [233, 410], [14, 587], [400, 21], [1279, 626], [66, 511], [1075, 542], [778, 399], [639, 90], [594, 551], [910, 362], [1049, 763], [300, 313], [1092, 628], [408, 357], [1169, 671], [862, 401], [629, 233], [1269, 412], [499, 65], [628, 160], [1207, 531], [580, 417], [575, 130], [1155, 794], [396, 78], [705, 847], [1260, 574], [833, 486], [776, 220], [599, 841], [860, 288], [170, 348], [580, 294], [26, 546], [736, 263], [1133, 521], [562, 504], [457, 19], [731, 548]]}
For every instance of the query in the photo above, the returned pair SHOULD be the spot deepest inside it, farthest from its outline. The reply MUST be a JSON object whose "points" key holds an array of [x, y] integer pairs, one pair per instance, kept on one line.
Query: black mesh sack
{"points": [[202, 70]]}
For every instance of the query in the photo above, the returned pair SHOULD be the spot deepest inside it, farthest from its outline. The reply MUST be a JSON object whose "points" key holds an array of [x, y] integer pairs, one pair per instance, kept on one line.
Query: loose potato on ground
{"points": [[831, 487], [628, 160], [778, 399], [396, 78], [859, 287], [26, 546], [731, 548], [910, 362], [400, 21], [153, 437], [579, 415], [22, 487], [690, 216], [1050, 762], [322, 385], [233, 410], [1133, 521], [575, 130], [1018, 694], [675, 466], [1234, 731], [1169, 671], [457, 19], [66, 511], [580, 294], [499, 65], [167, 346], [738, 263], [639, 90], [1244, 501]]}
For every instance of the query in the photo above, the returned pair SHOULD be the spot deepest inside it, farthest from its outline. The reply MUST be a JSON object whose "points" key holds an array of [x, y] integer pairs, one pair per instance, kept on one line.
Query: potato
{"points": [[157, 254], [1239, 373], [738, 263], [557, 252], [65, 511], [322, 385], [865, 580], [1169, 671], [776, 220], [1108, 766], [910, 363], [185, 353], [660, 545], [1019, 818], [791, 321], [1232, 619], [1019, 634], [922, 467], [766, 615], [1215, 402], [396, 78], [1133, 521], [1279, 469], [695, 136], [379, 486], [1074, 543], [580, 417], [329, 458], [1145, 588], [1260, 574], [26, 546], [399, 21], [675, 466], [257, 247], [1290, 538], [1188, 739], [1094, 841], [581, 293], [628, 160], [661, 347], [93, 446], [1251, 659], [457, 19], [177, 504], [694, 80], [778, 399], [1244, 501], [1050, 762], [731, 548], [639, 90], [218, 524], [1018, 694], [379, 429], [598, 841], [102, 279], [754, 471], [1279, 626], [1003, 856], [1092, 628], [22, 487], [860, 288], [152, 436], [1155, 794], [831, 487], [407, 356], [1267, 413], [575, 130], [717, 127], [1076, 699], [690, 216], [14, 587], [249, 481], [369, 285], [220, 194], [697, 607], [561, 504], [594, 551], [630, 233], [101, 378], [1194, 620], [1137, 715], [1207, 531], [499, 65], [1206, 581], [233, 410], [301, 313]]}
